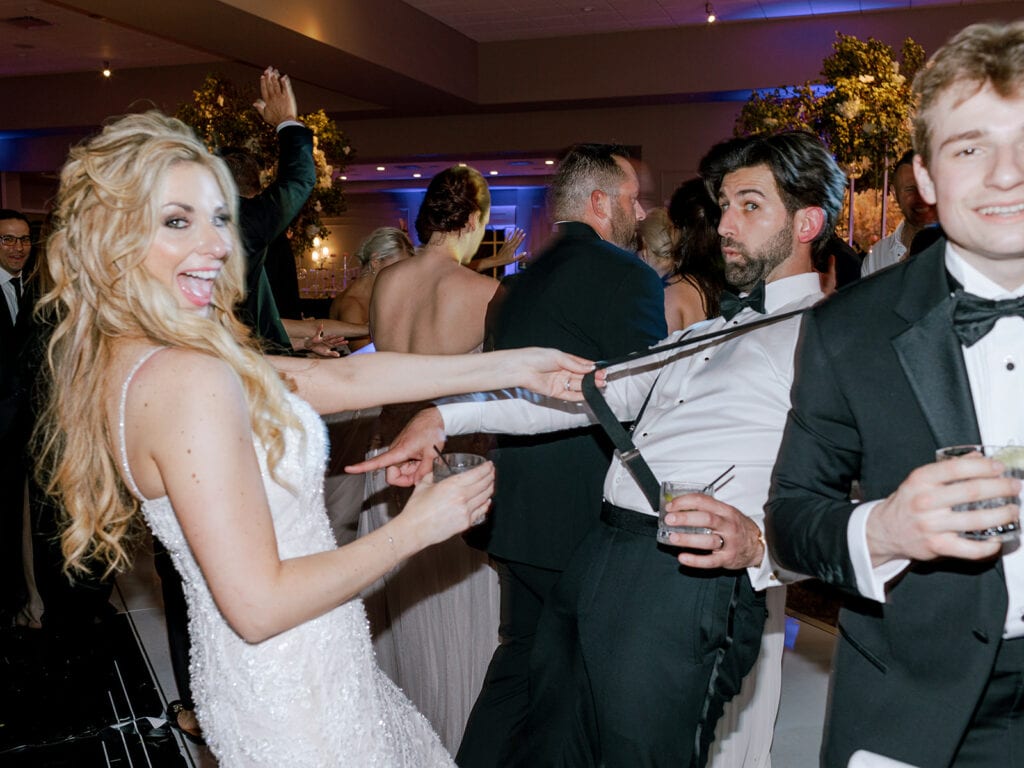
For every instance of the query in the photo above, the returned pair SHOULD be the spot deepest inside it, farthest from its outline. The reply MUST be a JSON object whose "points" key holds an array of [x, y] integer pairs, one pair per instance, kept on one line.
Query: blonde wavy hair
{"points": [[106, 219]]}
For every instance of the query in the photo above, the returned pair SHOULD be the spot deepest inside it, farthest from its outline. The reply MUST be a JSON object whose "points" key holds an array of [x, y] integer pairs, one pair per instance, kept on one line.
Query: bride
{"points": [[160, 403]]}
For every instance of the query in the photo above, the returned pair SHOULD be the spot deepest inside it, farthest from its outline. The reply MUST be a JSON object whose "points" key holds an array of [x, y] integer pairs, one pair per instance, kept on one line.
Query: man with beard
{"points": [[636, 657]]}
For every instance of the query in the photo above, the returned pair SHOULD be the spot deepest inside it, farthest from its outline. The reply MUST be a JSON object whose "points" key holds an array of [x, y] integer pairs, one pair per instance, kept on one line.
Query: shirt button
{"points": [[1010, 364]]}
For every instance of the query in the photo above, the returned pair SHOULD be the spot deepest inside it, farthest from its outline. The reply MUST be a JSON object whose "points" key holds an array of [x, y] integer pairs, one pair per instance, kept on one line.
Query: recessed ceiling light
{"points": [[380, 167], [343, 178], [494, 173], [417, 175], [106, 69], [549, 162], [462, 165]]}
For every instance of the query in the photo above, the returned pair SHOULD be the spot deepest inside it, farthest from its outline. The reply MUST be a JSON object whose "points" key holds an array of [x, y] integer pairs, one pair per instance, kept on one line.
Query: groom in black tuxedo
{"points": [[929, 667]]}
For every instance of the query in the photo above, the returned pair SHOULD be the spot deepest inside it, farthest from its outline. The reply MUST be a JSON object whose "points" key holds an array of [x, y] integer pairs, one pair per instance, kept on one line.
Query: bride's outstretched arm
{"points": [[190, 438], [361, 381]]}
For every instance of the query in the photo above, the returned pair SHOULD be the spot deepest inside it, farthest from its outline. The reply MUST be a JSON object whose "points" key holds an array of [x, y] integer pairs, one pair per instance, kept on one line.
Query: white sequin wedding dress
{"points": [[312, 696]]}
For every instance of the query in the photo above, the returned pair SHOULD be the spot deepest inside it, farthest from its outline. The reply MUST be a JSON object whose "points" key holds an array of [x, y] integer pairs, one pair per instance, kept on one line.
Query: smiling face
{"points": [[756, 228], [193, 236], [916, 210], [975, 177], [13, 257]]}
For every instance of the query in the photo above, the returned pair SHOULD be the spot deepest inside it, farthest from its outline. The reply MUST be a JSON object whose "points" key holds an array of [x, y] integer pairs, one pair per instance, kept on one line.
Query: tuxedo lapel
{"points": [[930, 354]]}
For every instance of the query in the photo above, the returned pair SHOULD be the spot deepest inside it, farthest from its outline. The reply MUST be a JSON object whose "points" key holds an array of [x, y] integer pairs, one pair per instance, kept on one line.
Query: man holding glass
{"points": [[636, 657], [926, 356]]}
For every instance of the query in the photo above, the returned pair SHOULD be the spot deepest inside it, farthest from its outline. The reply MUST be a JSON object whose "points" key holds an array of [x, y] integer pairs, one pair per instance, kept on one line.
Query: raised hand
{"points": [[506, 254], [917, 521], [277, 101]]}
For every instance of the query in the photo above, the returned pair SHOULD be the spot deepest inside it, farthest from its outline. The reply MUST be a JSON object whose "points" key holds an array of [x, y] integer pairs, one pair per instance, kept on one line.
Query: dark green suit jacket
{"points": [[266, 216]]}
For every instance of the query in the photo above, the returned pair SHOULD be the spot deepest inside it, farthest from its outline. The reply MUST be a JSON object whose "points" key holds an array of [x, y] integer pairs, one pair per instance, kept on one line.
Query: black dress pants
{"points": [[502, 703], [996, 733], [635, 657]]}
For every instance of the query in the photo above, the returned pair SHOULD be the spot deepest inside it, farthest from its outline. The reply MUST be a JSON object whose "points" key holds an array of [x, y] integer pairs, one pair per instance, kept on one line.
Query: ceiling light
{"points": [[380, 167], [343, 178], [549, 162], [462, 165], [709, 9], [494, 173], [417, 175], [106, 69]]}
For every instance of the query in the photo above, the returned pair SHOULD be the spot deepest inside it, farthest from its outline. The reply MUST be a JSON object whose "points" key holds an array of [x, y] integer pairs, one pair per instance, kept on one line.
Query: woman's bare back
{"points": [[430, 304]]}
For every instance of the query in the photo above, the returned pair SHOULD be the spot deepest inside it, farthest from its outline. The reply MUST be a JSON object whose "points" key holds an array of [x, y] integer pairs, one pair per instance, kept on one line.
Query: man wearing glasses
{"points": [[15, 246]]}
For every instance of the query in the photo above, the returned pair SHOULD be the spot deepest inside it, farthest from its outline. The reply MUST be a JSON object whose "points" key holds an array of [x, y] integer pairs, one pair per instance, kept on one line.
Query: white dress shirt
{"points": [[714, 405], [885, 252], [995, 367], [10, 289]]}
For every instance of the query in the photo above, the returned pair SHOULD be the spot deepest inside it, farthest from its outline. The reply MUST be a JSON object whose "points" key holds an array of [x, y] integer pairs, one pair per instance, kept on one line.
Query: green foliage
{"points": [[864, 117], [223, 116], [781, 109]]}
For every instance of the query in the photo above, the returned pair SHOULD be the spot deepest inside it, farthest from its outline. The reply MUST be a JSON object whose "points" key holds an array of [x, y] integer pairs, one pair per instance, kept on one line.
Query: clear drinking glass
{"points": [[449, 464], [669, 490], [1012, 457]]}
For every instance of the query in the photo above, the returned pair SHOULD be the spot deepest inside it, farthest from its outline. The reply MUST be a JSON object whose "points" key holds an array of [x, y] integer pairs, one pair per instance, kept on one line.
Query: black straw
{"points": [[442, 457]]}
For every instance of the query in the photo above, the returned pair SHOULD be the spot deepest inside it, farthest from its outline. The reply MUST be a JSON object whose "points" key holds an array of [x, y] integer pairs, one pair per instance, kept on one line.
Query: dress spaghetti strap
{"points": [[125, 469]]}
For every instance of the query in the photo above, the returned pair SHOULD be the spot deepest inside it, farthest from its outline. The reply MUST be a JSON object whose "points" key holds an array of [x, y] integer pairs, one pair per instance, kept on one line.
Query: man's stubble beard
{"points": [[623, 232], [745, 274]]}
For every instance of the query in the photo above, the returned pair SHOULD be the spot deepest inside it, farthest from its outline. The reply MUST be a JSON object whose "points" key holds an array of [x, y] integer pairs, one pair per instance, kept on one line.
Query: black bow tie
{"points": [[731, 304], [974, 316]]}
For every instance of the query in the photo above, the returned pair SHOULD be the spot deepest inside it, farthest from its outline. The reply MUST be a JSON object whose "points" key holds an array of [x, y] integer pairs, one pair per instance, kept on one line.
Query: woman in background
{"points": [[385, 246], [435, 618], [683, 246]]}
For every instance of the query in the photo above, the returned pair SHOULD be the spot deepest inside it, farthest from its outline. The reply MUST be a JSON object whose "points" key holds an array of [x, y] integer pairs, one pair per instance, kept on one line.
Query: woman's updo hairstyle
{"points": [[452, 197]]}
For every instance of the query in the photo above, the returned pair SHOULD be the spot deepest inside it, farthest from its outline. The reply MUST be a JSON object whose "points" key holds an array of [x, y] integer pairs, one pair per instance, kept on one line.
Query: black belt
{"points": [[628, 520]]}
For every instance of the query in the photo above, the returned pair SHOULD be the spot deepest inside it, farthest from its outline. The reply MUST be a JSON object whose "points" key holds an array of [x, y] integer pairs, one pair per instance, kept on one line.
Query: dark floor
{"points": [[84, 698]]}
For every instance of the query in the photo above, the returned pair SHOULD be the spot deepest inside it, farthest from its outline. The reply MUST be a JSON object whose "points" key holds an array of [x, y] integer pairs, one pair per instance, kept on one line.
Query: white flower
{"points": [[850, 108]]}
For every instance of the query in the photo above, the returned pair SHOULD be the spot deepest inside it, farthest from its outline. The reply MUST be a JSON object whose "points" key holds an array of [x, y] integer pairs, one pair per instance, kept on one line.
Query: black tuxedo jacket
{"points": [[266, 216], [585, 296], [880, 385], [14, 384]]}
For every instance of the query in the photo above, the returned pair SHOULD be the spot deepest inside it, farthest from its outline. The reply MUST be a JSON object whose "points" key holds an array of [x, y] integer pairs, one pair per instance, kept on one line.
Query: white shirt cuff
{"points": [[871, 581], [460, 418], [286, 123], [768, 573]]}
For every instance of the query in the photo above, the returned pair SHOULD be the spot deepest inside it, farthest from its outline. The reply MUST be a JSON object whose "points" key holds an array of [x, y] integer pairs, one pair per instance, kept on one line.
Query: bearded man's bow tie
{"points": [[731, 304]]}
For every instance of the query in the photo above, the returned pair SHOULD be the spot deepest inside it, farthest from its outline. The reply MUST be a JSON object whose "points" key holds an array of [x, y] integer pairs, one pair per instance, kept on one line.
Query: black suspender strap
{"points": [[625, 450]]}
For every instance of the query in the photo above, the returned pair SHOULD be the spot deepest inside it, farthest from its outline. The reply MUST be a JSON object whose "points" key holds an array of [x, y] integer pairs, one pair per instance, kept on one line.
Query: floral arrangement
{"points": [[223, 116]]}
